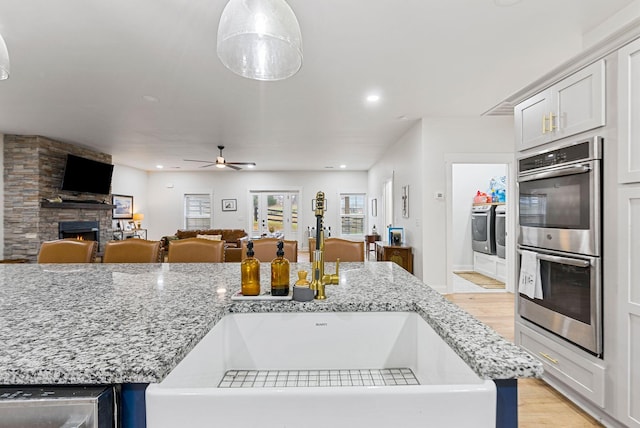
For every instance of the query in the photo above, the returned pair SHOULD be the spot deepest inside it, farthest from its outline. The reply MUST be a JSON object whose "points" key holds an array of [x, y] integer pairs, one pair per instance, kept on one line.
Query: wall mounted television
{"points": [[86, 176]]}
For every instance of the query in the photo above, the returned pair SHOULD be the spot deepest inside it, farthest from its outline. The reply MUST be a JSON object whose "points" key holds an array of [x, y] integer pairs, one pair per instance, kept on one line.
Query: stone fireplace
{"points": [[33, 170]]}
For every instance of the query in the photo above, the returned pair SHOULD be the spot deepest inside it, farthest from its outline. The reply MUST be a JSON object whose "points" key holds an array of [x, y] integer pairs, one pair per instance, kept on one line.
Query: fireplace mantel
{"points": [[76, 205]]}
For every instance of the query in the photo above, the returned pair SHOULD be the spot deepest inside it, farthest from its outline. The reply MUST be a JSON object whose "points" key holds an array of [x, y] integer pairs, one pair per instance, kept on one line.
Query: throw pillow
{"points": [[210, 237]]}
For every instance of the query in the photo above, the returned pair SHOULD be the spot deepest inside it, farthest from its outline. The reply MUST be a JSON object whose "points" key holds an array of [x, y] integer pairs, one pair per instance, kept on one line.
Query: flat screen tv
{"points": [[87, 176]]}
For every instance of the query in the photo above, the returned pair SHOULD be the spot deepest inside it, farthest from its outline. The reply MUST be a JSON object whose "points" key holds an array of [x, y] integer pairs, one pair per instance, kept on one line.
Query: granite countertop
{"points": [[132, 323]]}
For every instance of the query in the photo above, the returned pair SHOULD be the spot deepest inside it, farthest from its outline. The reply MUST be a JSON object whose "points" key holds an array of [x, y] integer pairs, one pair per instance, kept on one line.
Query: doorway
{"points": [[387, 192], [459, 203], [274, 214]]}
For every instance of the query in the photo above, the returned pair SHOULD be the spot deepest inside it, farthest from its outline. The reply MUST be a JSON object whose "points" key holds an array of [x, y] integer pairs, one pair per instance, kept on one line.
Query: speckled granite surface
{"points": [[101, 323]]}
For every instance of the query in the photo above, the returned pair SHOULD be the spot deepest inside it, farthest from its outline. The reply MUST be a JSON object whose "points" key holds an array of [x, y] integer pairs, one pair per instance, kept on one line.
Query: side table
{"points": [[401, 255]]}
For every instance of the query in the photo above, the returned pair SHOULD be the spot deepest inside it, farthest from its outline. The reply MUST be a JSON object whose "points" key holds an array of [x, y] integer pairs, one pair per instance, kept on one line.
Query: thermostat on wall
{"points": [[439, 196]]}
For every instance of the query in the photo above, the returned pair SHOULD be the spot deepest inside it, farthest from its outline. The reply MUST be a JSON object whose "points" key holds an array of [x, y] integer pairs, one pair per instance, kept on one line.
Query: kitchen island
{"points": [[131, 324]]}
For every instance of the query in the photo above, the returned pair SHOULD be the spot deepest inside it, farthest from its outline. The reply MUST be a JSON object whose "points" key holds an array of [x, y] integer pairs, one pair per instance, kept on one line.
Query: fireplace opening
{"points": [[83, 230]]}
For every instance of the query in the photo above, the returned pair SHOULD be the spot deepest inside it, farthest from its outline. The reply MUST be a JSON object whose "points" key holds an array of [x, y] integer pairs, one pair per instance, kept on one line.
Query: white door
{"points": [[275, 214], [579, 101], [531, 121]]}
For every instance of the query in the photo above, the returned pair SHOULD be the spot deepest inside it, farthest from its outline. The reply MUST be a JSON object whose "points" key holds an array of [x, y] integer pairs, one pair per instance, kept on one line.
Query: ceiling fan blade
{"points": [[237, 168], [196, 160], [240, 163], [207, 165]]}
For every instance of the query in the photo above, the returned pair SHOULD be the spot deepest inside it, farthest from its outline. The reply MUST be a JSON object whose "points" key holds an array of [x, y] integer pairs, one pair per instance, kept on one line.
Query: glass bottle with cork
{"points": [[250, 273]]}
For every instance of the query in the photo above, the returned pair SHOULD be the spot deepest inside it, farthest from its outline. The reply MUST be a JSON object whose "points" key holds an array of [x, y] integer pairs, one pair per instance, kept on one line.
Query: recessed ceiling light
{"points": [[150, 98], [343, 166], [251, 165], [373, 98], [159, 166]]}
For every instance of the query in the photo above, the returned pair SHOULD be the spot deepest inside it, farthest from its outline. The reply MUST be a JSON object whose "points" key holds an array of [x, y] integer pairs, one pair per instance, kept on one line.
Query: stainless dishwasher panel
{"points": [[57, 407]]}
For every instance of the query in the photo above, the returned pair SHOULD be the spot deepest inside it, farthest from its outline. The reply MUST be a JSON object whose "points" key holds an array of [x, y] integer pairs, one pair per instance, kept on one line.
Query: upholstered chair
{"points": [[67, 251], [338, 248], [132, 251], [196, 250], [265, 249]]}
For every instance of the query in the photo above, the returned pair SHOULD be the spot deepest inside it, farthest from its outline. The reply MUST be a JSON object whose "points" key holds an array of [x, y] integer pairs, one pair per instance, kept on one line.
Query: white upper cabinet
{"points": [[573, 105], [629, 113]]}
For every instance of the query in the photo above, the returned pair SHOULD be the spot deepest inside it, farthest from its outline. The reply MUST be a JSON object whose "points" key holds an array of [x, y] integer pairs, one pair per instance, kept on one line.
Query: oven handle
{"points": [[562, 260], [560, 172]]}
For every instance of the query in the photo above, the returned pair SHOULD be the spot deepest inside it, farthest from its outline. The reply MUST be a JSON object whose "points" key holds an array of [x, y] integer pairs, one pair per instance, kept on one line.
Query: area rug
{"points": [[481, 280]]}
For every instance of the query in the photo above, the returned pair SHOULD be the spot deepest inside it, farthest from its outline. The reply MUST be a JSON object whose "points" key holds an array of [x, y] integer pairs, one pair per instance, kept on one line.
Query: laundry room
{"points": [[479, 218]]}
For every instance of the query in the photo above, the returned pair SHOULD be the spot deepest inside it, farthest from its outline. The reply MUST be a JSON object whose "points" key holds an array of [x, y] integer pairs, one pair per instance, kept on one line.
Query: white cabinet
{"points": [[629, 229], [573, 105], [629, 301], [581, 372], [629, 113], [490, 265]]}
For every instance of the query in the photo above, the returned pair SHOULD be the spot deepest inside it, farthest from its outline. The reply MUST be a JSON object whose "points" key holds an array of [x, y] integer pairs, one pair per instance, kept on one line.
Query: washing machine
{"points": [[483, 223]]}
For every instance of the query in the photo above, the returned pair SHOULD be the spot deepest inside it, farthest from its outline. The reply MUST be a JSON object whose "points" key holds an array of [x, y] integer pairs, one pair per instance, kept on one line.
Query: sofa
{"points": [[231, 237]]}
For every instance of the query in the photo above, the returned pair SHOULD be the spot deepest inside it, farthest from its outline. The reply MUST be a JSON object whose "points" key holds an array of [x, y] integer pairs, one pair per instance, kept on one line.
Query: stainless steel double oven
{"points": [[560, 220]]}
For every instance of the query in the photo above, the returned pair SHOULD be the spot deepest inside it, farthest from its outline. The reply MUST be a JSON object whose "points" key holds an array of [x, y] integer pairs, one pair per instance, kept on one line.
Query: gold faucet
{"points": [[319, 279]]}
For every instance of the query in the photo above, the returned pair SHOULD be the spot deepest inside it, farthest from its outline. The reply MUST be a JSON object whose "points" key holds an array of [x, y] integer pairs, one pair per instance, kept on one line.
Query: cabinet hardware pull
{"points": [[551, 125], [544, 124], [554, 361]]}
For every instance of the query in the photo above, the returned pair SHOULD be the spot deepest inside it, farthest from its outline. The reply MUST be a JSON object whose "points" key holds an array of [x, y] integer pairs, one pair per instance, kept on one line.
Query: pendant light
{"points": [[4, 60], [260, 39]]}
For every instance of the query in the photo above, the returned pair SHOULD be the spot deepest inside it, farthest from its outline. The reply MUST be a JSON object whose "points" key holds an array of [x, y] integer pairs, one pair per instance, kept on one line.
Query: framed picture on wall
{"points": [[396, 236], [229, 205], [123, 206], [405, 201]]}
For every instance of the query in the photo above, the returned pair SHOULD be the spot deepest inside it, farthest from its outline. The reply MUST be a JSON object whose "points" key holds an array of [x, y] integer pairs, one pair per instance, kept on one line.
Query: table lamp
{"points": [[138, 217]]}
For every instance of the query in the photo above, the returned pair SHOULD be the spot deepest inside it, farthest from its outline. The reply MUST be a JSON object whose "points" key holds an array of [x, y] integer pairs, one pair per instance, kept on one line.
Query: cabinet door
{"points": [[579, 101], [629, 303], [629, 113], [531, 125]]}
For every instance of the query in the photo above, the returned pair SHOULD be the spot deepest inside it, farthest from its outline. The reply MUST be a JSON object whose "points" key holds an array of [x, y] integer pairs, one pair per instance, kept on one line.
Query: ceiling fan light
{"points": [[220, 165], [260, 39], [5, 68]]}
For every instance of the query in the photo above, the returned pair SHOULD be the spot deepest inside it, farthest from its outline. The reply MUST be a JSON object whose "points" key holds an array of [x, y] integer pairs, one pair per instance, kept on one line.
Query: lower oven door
{"points": [[571, 306]]}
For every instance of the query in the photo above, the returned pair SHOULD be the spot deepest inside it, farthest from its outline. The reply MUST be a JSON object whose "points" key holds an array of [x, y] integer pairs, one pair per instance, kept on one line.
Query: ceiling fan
{"points": [[220, 162]]}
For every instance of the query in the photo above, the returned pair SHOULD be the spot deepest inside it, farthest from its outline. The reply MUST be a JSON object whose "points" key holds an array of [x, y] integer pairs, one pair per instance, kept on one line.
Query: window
{"points": [[352, 210], [197, 211]]}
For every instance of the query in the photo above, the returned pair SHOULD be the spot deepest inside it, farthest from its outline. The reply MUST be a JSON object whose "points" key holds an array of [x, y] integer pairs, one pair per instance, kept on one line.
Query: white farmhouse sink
{"points": [[302, 348]]}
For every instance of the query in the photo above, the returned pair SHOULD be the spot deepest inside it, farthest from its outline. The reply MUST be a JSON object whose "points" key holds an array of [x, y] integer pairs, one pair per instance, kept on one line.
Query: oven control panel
{"points": [[572, 153]]}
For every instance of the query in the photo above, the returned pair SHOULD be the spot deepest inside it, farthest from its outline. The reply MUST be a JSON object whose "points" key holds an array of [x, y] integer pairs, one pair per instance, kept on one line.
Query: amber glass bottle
{"points": [[280, 273], [250, 273]]}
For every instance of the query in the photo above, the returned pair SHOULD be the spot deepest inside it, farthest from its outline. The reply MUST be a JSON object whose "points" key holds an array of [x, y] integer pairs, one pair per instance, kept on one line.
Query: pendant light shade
{"points": [[260, 39], [4, 60]]}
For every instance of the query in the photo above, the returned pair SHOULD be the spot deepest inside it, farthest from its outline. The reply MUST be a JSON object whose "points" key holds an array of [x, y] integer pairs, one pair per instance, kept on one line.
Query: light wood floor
{"points": [[539, 405]]}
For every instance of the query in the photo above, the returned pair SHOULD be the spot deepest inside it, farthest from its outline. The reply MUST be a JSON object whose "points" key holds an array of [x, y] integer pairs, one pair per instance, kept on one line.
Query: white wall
{"points": [[467, 180], [442, 137], [132, 182], [165, 190], [402, 161]]}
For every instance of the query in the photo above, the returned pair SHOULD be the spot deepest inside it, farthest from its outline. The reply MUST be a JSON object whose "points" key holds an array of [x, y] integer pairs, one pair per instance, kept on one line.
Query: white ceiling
{"points": [[141, 79]]}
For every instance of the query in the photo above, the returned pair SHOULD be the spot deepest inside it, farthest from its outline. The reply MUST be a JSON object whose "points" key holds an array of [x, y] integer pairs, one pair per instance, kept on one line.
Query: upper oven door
{"points": [[559, 208]]}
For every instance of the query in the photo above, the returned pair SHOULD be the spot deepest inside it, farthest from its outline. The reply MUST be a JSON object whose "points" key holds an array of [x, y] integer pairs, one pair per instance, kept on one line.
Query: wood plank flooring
{"points": [[539, 405]]}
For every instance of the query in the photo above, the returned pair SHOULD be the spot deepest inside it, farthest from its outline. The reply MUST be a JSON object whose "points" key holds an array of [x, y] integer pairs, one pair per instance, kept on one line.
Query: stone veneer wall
{"points": [[33, 171]]}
